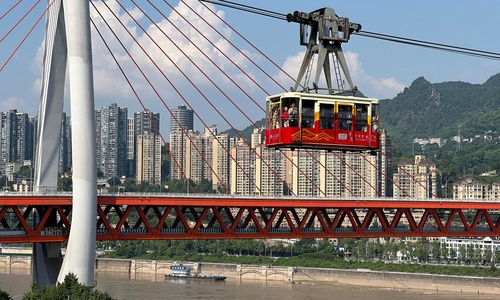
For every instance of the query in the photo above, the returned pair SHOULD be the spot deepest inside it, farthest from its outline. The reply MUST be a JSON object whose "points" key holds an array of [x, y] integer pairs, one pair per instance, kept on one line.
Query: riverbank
{"points": [[302, 275], [427, 283]]}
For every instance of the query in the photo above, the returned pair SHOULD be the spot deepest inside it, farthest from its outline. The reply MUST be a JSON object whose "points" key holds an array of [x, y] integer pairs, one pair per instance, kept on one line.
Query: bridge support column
{"points": [[80, 254]]}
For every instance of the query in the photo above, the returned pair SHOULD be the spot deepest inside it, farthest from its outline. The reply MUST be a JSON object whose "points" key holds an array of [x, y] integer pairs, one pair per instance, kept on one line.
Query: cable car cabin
{"points": [[315, 121]]}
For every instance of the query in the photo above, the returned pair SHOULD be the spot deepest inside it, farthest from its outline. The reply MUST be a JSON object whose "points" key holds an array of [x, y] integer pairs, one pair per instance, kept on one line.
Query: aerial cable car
{"points": [[335, 120]]}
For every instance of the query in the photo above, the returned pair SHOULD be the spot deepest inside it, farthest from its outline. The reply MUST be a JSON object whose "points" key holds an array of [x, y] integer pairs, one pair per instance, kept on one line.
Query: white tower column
{"points": [[80, 254], [47, 258]]}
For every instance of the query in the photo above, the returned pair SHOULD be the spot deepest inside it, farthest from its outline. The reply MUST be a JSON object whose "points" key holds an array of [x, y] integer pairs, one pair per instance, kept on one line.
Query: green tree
{"points": [[114, 181], [65, 184], [462, 253], [69, 289], [4, 295]]}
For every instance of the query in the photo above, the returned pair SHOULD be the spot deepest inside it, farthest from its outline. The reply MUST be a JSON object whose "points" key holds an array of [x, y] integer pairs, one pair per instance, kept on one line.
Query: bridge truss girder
{"points": [[129, 218]]}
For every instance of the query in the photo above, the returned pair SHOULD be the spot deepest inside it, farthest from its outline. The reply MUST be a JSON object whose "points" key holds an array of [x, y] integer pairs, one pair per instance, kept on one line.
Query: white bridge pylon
{"points": [[68, 44]]}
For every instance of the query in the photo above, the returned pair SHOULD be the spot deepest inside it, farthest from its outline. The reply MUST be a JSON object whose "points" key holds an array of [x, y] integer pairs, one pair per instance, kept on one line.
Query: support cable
{"points": [[19, 21], [156, 92], [159, 69], [10, 9], [133, 89], [27, 34], [232, 44], [229, 77], [265, 162], [248, 42]]}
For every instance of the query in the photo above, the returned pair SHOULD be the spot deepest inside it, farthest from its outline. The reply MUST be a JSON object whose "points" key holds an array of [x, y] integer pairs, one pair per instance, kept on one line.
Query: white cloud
{"points": [[369, 85], [12, 103]]}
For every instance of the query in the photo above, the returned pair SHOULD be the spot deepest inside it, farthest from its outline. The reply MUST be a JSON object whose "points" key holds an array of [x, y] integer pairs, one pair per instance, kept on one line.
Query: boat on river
{"points": [[185, 272]]}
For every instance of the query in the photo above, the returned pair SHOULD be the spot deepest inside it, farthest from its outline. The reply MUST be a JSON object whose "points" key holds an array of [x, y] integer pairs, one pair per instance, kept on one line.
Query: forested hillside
{"points": [[444, 110], [426, 110]]}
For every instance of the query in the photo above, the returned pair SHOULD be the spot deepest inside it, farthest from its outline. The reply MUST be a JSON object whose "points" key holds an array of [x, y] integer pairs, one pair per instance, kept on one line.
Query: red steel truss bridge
{"points": [[25, 218]]}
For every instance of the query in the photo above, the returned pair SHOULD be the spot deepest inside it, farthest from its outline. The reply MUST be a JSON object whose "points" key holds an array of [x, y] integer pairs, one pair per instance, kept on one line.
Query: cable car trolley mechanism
{"points": [[332, 120]]}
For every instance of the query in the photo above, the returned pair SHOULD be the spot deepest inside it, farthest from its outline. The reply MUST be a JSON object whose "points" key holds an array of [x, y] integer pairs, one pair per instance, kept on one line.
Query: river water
{"points": [[121, 286]]}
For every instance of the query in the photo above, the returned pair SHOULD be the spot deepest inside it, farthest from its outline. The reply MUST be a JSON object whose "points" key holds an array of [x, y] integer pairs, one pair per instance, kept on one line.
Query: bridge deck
{"points": [[168, 216]]}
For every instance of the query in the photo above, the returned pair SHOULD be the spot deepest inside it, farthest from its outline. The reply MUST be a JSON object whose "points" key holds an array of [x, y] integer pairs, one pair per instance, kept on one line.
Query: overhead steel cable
{"points": [[431, 45], [381, 36], [247, 8]]}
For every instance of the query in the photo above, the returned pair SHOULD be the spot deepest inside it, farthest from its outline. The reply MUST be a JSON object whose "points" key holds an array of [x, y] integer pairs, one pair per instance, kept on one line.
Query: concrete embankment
{"points": [[361, 277]]}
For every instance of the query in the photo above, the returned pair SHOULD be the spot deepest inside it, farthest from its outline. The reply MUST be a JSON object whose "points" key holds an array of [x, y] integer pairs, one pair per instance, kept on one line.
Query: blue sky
{"points": [[380, 69]]}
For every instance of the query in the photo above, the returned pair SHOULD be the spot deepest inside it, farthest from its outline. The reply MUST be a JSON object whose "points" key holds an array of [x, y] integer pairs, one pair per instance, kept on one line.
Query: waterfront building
{"points": [[484, 249]]}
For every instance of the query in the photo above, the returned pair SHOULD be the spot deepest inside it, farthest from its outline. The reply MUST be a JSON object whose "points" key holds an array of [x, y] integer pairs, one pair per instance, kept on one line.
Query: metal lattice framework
{"points": [[136, 217]]}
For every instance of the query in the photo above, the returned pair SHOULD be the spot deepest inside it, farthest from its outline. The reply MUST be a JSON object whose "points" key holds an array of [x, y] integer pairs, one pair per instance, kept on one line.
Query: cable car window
{"points": [[326, 116], [274, 115], [307, 114], [361, 117], [345, 117], [293, 112]]}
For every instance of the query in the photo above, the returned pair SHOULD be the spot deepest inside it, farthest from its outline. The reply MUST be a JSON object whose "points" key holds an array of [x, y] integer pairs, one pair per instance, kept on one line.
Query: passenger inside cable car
{"points": [[330, 122]]}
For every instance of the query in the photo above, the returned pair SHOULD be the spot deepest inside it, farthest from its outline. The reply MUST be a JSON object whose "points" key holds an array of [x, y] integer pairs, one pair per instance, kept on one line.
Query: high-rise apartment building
{"points": [[384, 185], [112, 140], [182, 117], [177, 156], [148, 158], [194, 152], [130, 156], [65, 150], [17, 132], [143, 122], [221, 162], [146, 121], [243, 169]]}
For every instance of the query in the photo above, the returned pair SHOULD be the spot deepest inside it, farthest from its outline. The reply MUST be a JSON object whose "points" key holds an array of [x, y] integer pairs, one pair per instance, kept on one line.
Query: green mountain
{"points": [[426, 110], [444, 110]]}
